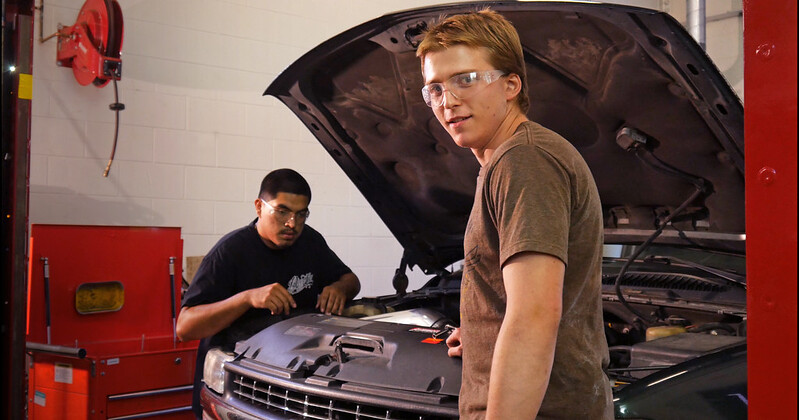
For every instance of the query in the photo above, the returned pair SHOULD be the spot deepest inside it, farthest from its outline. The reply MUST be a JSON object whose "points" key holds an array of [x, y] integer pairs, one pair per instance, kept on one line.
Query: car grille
{"points": [[306, 406]]}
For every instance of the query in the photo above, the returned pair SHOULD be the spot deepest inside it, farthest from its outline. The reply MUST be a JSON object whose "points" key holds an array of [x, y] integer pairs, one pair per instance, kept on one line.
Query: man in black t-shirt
{"points": [[274, 268]]}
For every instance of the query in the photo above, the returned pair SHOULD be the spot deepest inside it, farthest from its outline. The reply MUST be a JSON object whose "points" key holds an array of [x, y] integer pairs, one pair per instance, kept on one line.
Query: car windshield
{"points": [[734, 263]]}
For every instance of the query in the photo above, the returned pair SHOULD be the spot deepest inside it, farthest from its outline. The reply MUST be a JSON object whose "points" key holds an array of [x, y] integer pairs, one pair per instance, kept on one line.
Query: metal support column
{"points": [[17, 52], [770, 133]]}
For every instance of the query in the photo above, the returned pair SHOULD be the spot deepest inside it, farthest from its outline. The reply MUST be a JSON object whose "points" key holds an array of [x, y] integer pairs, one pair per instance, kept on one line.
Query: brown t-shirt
{"points": [[537, 194]]}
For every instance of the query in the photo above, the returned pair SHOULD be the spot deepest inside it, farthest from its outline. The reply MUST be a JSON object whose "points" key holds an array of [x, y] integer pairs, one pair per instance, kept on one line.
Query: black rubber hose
{"points": [[116, 107]]}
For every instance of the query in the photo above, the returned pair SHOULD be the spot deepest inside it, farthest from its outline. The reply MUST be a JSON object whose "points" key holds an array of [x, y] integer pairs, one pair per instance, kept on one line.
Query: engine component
{"points": [[653, 333]]}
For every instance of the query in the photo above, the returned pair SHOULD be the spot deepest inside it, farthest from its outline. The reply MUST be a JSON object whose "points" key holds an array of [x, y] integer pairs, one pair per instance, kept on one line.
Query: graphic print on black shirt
{"points": [[300, 283]]}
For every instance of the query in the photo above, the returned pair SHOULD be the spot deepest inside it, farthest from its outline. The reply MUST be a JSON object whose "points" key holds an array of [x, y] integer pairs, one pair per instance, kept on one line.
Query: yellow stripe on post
{"points": [[25, 86]]}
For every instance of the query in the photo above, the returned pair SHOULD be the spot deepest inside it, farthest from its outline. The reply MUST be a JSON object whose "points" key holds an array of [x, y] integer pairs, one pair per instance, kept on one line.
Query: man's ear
{"points": [[513, 86], [258, 206]]}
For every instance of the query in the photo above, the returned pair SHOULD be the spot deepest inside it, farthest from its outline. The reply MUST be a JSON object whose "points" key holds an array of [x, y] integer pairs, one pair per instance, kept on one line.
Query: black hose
{"points": [[641, 248], [703, 187], [116, 107]]}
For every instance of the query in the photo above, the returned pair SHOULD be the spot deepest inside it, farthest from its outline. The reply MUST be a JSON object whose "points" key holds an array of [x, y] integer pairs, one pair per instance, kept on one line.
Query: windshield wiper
{"points": [[730, 277]]}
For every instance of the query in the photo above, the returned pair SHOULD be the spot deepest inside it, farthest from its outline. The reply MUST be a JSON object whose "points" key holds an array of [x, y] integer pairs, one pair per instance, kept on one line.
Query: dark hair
{"points": [[481, 29], [284, 180]]}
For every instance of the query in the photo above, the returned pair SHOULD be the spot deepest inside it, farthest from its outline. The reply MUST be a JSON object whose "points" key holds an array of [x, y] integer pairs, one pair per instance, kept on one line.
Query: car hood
{"points": [[606, 77]]}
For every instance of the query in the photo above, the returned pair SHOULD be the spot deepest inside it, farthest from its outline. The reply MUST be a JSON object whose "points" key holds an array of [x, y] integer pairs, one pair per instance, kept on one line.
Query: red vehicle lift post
{"points": [[770, 135]]}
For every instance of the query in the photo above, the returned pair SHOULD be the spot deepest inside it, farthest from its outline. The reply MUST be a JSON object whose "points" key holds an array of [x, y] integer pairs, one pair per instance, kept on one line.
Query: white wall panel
{"points": [[218, 184], [41, 91], [151, 109], [184, 147], [38, 173], [79, 176], [252, 184], [194, 245], [60, 137], [331, 188], [304, 157], [242, 152], [136, 146], [233, 215], [62, 206], [140, 179], [215, 116], [194, 217]]}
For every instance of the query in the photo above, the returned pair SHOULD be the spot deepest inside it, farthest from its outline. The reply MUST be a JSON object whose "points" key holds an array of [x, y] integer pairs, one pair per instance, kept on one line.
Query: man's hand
{"points": [[454, 346], [196, 322], [274, 297], [335, 296], [331, 300]]}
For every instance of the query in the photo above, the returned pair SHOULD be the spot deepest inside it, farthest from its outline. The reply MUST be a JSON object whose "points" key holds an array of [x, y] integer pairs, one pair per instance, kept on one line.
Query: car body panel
{"points": [[709, 387]]}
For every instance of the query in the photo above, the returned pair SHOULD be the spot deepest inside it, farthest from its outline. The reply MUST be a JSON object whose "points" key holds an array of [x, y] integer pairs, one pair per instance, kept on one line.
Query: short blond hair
{"points": [[487, 29]]}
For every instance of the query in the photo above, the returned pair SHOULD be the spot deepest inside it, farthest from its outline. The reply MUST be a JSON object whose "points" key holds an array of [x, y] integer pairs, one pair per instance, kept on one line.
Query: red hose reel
{"points": [[93, 45]]}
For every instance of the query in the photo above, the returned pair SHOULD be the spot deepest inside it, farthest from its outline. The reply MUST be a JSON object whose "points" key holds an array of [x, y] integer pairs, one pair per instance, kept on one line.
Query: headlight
{"points": [[214, 369]]}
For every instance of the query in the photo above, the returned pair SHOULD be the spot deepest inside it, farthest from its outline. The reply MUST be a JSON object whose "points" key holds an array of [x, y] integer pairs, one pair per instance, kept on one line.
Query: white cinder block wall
{"points": [[197, 137]]}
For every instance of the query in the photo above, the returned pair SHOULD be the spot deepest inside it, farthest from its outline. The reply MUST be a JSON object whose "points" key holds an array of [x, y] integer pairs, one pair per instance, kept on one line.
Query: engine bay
{"points": [[680, 329]]}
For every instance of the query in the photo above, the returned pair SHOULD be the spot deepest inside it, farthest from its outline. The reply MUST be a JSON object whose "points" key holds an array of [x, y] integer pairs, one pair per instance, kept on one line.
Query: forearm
{"points": [[202, 321], [521, 368], [349, 284]]}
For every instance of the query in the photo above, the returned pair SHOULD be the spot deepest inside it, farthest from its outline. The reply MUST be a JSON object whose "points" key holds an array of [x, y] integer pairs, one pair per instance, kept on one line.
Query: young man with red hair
{"points": [[531, 335]]}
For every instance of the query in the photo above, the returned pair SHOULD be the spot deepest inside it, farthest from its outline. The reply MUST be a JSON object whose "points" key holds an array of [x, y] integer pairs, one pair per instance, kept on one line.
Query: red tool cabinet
{"points": [[102, 302]]}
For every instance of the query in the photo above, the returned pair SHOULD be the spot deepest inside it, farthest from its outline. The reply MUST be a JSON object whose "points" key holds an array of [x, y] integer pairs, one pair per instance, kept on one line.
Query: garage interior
{"points": [[184, 137]]}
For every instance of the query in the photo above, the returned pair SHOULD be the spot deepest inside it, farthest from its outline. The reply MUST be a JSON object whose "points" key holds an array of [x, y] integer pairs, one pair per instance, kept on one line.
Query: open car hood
{"points": [[606, 77]]}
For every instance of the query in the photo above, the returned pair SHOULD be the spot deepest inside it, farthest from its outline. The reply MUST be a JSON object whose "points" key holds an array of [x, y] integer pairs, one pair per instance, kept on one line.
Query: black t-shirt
{"points": [[241, 261]]}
